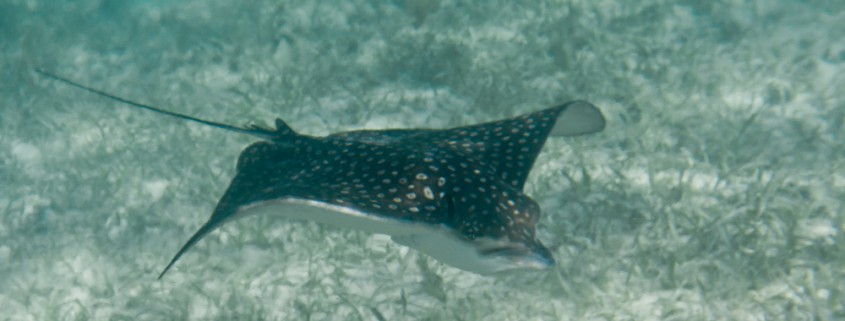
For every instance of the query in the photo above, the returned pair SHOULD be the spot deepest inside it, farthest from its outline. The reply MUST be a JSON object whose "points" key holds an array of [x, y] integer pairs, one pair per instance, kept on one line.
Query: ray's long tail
{"points": [[253, 131]]}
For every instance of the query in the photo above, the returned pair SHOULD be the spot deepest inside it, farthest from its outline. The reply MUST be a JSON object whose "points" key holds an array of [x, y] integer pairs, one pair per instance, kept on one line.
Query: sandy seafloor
{"points": [[715, 193]]}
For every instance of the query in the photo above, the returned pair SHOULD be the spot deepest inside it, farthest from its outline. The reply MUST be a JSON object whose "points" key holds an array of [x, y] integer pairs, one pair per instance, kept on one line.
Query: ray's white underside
{"points": [[438, 242]]}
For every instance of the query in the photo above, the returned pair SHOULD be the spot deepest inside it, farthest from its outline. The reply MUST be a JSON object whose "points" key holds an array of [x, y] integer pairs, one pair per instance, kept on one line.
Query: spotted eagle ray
{"points": [[454, 194]]}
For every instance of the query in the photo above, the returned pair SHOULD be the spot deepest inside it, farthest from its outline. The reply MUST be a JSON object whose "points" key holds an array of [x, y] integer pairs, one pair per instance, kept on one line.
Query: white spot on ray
{"points": [[428, 193]]}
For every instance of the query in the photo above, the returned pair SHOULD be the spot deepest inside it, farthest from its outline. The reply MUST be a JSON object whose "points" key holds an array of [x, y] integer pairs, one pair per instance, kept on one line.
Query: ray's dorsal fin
{"points": [[281, 128]]}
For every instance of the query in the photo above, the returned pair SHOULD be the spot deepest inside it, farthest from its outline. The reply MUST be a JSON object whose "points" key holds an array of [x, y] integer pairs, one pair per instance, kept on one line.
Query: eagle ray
{"points": [[454, 194]]}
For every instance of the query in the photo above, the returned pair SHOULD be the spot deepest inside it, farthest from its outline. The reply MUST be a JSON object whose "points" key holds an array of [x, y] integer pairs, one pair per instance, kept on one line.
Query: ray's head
{"points": [[503, 236]]}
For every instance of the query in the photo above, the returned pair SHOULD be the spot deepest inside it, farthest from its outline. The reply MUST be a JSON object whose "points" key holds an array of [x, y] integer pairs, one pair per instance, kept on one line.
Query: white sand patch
{"points": [[817, 230], [85, 138], [33, 203], [156, 189], [496, 33], [5, 253], [25, 152], [370, 50], [219, 76]]}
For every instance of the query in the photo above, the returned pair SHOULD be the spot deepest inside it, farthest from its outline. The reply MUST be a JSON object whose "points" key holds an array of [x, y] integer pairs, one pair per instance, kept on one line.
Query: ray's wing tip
{"points": [[578, 118], [196, 237], [169, 265]]}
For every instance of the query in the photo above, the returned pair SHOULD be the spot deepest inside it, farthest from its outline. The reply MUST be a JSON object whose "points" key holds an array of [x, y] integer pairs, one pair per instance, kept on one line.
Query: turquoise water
{"points": [[715, 193]]}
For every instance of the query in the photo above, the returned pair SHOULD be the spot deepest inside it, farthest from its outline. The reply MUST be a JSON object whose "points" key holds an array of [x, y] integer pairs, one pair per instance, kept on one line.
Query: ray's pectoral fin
{"points": [[226, 211], [510, 146], [578, 118], [249, 185]]}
